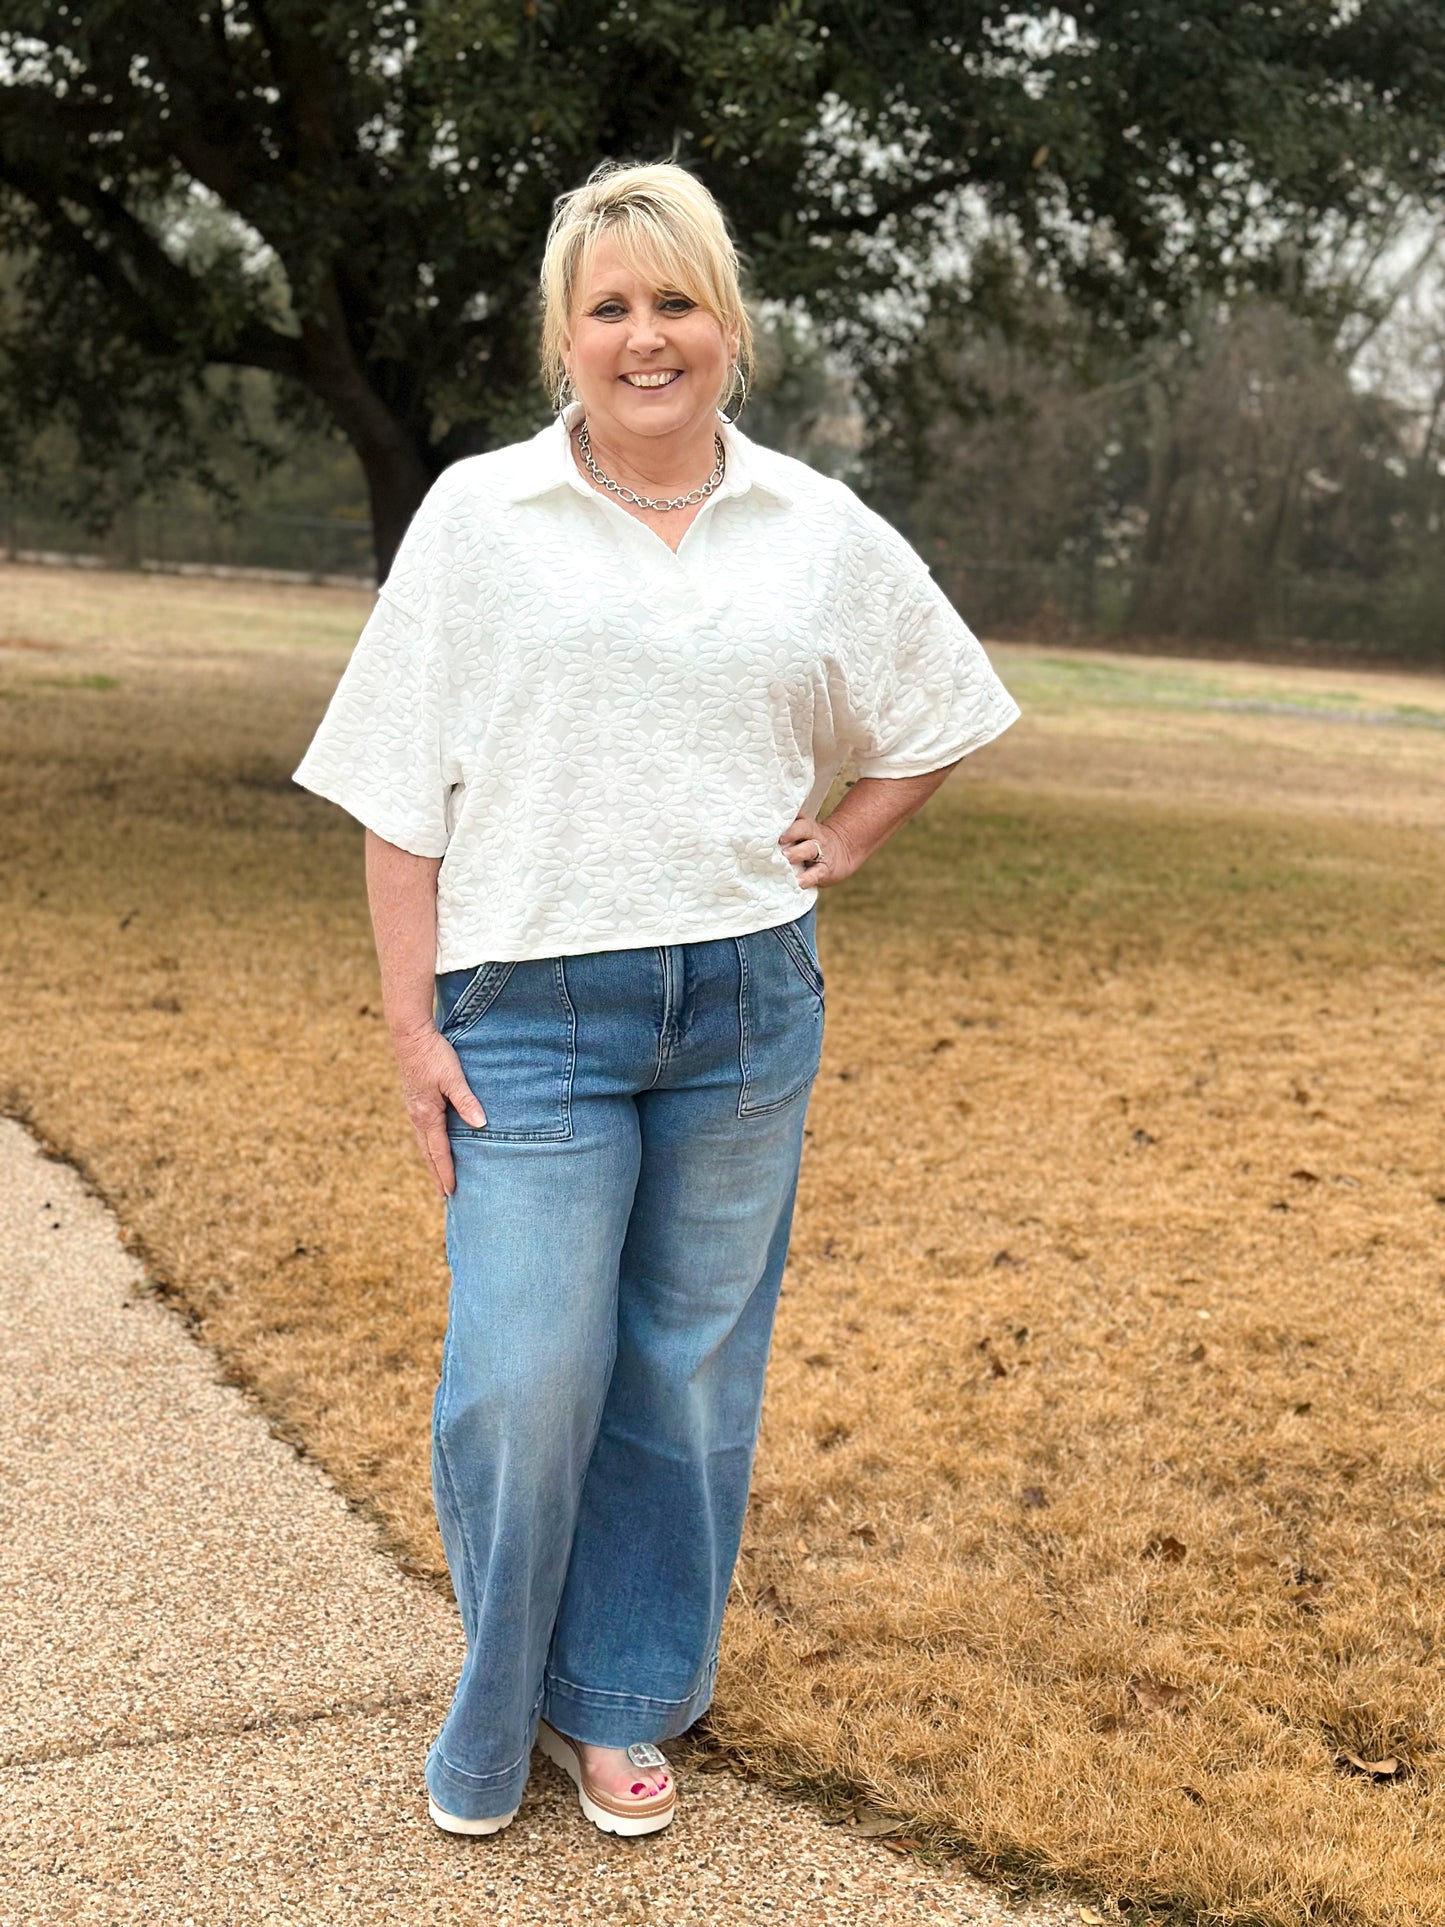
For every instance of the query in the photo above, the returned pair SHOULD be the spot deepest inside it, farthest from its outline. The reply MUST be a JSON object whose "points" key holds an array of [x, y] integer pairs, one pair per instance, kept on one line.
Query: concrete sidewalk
{"points": [[219, 1691]]}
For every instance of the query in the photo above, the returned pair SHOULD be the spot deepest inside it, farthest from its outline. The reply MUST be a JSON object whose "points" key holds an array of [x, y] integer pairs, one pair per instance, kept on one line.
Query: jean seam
{"points": [[444, 1466], [570, 1012], [627, 1699], [777, 1103], [744, 1059]]}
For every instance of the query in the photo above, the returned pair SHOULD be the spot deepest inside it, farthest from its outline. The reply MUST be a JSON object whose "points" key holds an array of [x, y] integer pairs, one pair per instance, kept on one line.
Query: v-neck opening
{"points": [[634, 521]]}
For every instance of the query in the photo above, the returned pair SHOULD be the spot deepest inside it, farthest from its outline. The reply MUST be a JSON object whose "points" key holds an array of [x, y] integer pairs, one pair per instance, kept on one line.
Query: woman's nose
{"points": [[646, 334]]}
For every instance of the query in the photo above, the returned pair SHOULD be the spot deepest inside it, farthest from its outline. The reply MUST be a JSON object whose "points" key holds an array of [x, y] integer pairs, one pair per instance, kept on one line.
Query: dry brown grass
{"points": [[1098, 1507]]}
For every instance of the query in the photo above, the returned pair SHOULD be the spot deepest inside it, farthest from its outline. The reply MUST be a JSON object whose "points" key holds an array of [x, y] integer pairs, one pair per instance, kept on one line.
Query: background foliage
{"points": [[351, 195]]}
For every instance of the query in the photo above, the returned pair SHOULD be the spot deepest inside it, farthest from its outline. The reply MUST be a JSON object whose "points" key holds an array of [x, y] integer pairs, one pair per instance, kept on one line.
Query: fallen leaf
{"points": [[1094, 1920], [871, 1823], [1254, 1564], [770, 1601], [1159, 1696], [904, 1844], [1307, 1597], [1033, 1497], [1373, 1769], [1164, 1546]]}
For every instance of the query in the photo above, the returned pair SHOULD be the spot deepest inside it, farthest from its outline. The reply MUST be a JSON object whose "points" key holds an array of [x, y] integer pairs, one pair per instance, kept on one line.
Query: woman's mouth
{"points": [[659, 378]]}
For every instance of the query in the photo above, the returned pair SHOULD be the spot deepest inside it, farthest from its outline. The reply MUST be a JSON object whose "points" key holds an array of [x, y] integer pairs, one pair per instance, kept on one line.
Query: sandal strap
{"points": [[644, 1754]]}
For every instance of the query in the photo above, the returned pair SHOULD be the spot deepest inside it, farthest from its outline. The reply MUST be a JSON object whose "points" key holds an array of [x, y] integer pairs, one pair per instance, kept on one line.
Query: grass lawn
{"points": [[1097, 1526]]}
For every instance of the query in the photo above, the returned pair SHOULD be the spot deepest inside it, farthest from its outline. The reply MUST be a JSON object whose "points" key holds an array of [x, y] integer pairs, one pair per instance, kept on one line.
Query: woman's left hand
{"points": [[819, 855]]}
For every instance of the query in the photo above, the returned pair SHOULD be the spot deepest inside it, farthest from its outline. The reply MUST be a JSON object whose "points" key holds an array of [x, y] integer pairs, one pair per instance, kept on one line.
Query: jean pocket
{"points": [[797, 938], [780, 1016], [514, 1030], [463, 995]]}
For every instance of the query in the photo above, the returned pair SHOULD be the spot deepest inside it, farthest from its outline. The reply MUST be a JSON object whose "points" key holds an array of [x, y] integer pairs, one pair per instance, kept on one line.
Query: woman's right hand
{"points": [[431, 1075]]}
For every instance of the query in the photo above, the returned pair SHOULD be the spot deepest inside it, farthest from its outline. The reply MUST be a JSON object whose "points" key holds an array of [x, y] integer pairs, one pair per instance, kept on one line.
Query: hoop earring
{"points": [[743, 402]]}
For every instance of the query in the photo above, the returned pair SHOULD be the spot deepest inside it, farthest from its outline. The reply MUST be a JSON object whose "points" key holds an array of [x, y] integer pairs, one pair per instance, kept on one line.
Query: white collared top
{"points": [[603, 739]]}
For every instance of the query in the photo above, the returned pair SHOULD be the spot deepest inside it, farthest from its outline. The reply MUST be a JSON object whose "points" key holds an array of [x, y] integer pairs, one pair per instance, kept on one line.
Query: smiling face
{"points": [[646, 361]]}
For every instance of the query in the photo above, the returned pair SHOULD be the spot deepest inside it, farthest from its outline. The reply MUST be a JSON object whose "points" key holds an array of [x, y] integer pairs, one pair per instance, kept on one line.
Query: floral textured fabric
{"points": [[603, 740]]}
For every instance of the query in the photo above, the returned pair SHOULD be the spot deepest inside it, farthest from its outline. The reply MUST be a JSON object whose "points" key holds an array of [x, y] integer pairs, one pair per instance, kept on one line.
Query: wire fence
{"points": [[1397, 617], [303, 548], [1400, 618]]}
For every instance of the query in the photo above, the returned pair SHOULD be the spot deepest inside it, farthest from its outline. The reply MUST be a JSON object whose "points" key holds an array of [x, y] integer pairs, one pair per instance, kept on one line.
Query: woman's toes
{"points": [[614, 1773]]}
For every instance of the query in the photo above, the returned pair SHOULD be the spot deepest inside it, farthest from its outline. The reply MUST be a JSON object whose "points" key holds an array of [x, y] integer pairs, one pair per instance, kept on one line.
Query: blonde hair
{"points": [[670, 228]]}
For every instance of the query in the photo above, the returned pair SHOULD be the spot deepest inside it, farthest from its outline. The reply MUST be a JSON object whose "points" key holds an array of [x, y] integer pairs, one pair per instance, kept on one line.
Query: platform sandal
{"points": [[626, 1816]]}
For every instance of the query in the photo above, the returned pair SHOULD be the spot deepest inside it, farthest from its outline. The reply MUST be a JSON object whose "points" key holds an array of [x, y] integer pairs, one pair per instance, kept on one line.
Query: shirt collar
{"points": [[545, 462]]}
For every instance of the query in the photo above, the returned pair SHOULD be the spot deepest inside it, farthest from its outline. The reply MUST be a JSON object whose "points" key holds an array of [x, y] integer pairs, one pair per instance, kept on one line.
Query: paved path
{"points": [[218, 1690]]}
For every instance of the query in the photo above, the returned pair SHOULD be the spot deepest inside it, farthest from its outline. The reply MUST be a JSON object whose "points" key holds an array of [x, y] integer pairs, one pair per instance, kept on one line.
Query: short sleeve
{"points": [[927, 693], [380, 751]]}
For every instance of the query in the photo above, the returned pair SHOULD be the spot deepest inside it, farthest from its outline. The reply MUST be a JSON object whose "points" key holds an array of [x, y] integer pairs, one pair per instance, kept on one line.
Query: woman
{"points": [[607, 684]]}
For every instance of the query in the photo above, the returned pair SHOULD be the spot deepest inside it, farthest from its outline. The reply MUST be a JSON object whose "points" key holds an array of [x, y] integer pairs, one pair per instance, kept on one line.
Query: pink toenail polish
{"points": [[639, 1788]]}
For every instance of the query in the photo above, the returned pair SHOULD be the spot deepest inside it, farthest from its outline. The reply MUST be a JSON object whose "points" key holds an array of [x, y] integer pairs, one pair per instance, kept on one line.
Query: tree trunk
{"points": [[396, 481], [392, 459], [1165, 461]]}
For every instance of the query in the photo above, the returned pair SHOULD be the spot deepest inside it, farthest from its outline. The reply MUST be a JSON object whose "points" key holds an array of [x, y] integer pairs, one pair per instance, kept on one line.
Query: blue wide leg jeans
{"points": [[616, 1241]]}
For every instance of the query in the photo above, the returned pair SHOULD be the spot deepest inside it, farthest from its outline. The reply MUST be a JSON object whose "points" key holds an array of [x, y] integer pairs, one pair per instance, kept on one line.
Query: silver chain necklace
{"points": [[584, 449]]}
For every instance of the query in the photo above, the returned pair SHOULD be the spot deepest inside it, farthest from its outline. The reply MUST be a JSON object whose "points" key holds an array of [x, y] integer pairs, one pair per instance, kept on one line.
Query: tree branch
{"points": [[141, 278]]}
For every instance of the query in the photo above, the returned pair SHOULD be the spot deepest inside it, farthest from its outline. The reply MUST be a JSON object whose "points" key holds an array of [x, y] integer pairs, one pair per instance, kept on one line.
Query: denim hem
{"points": [[476, 1796], [598, 1717], [480, 1796]]}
